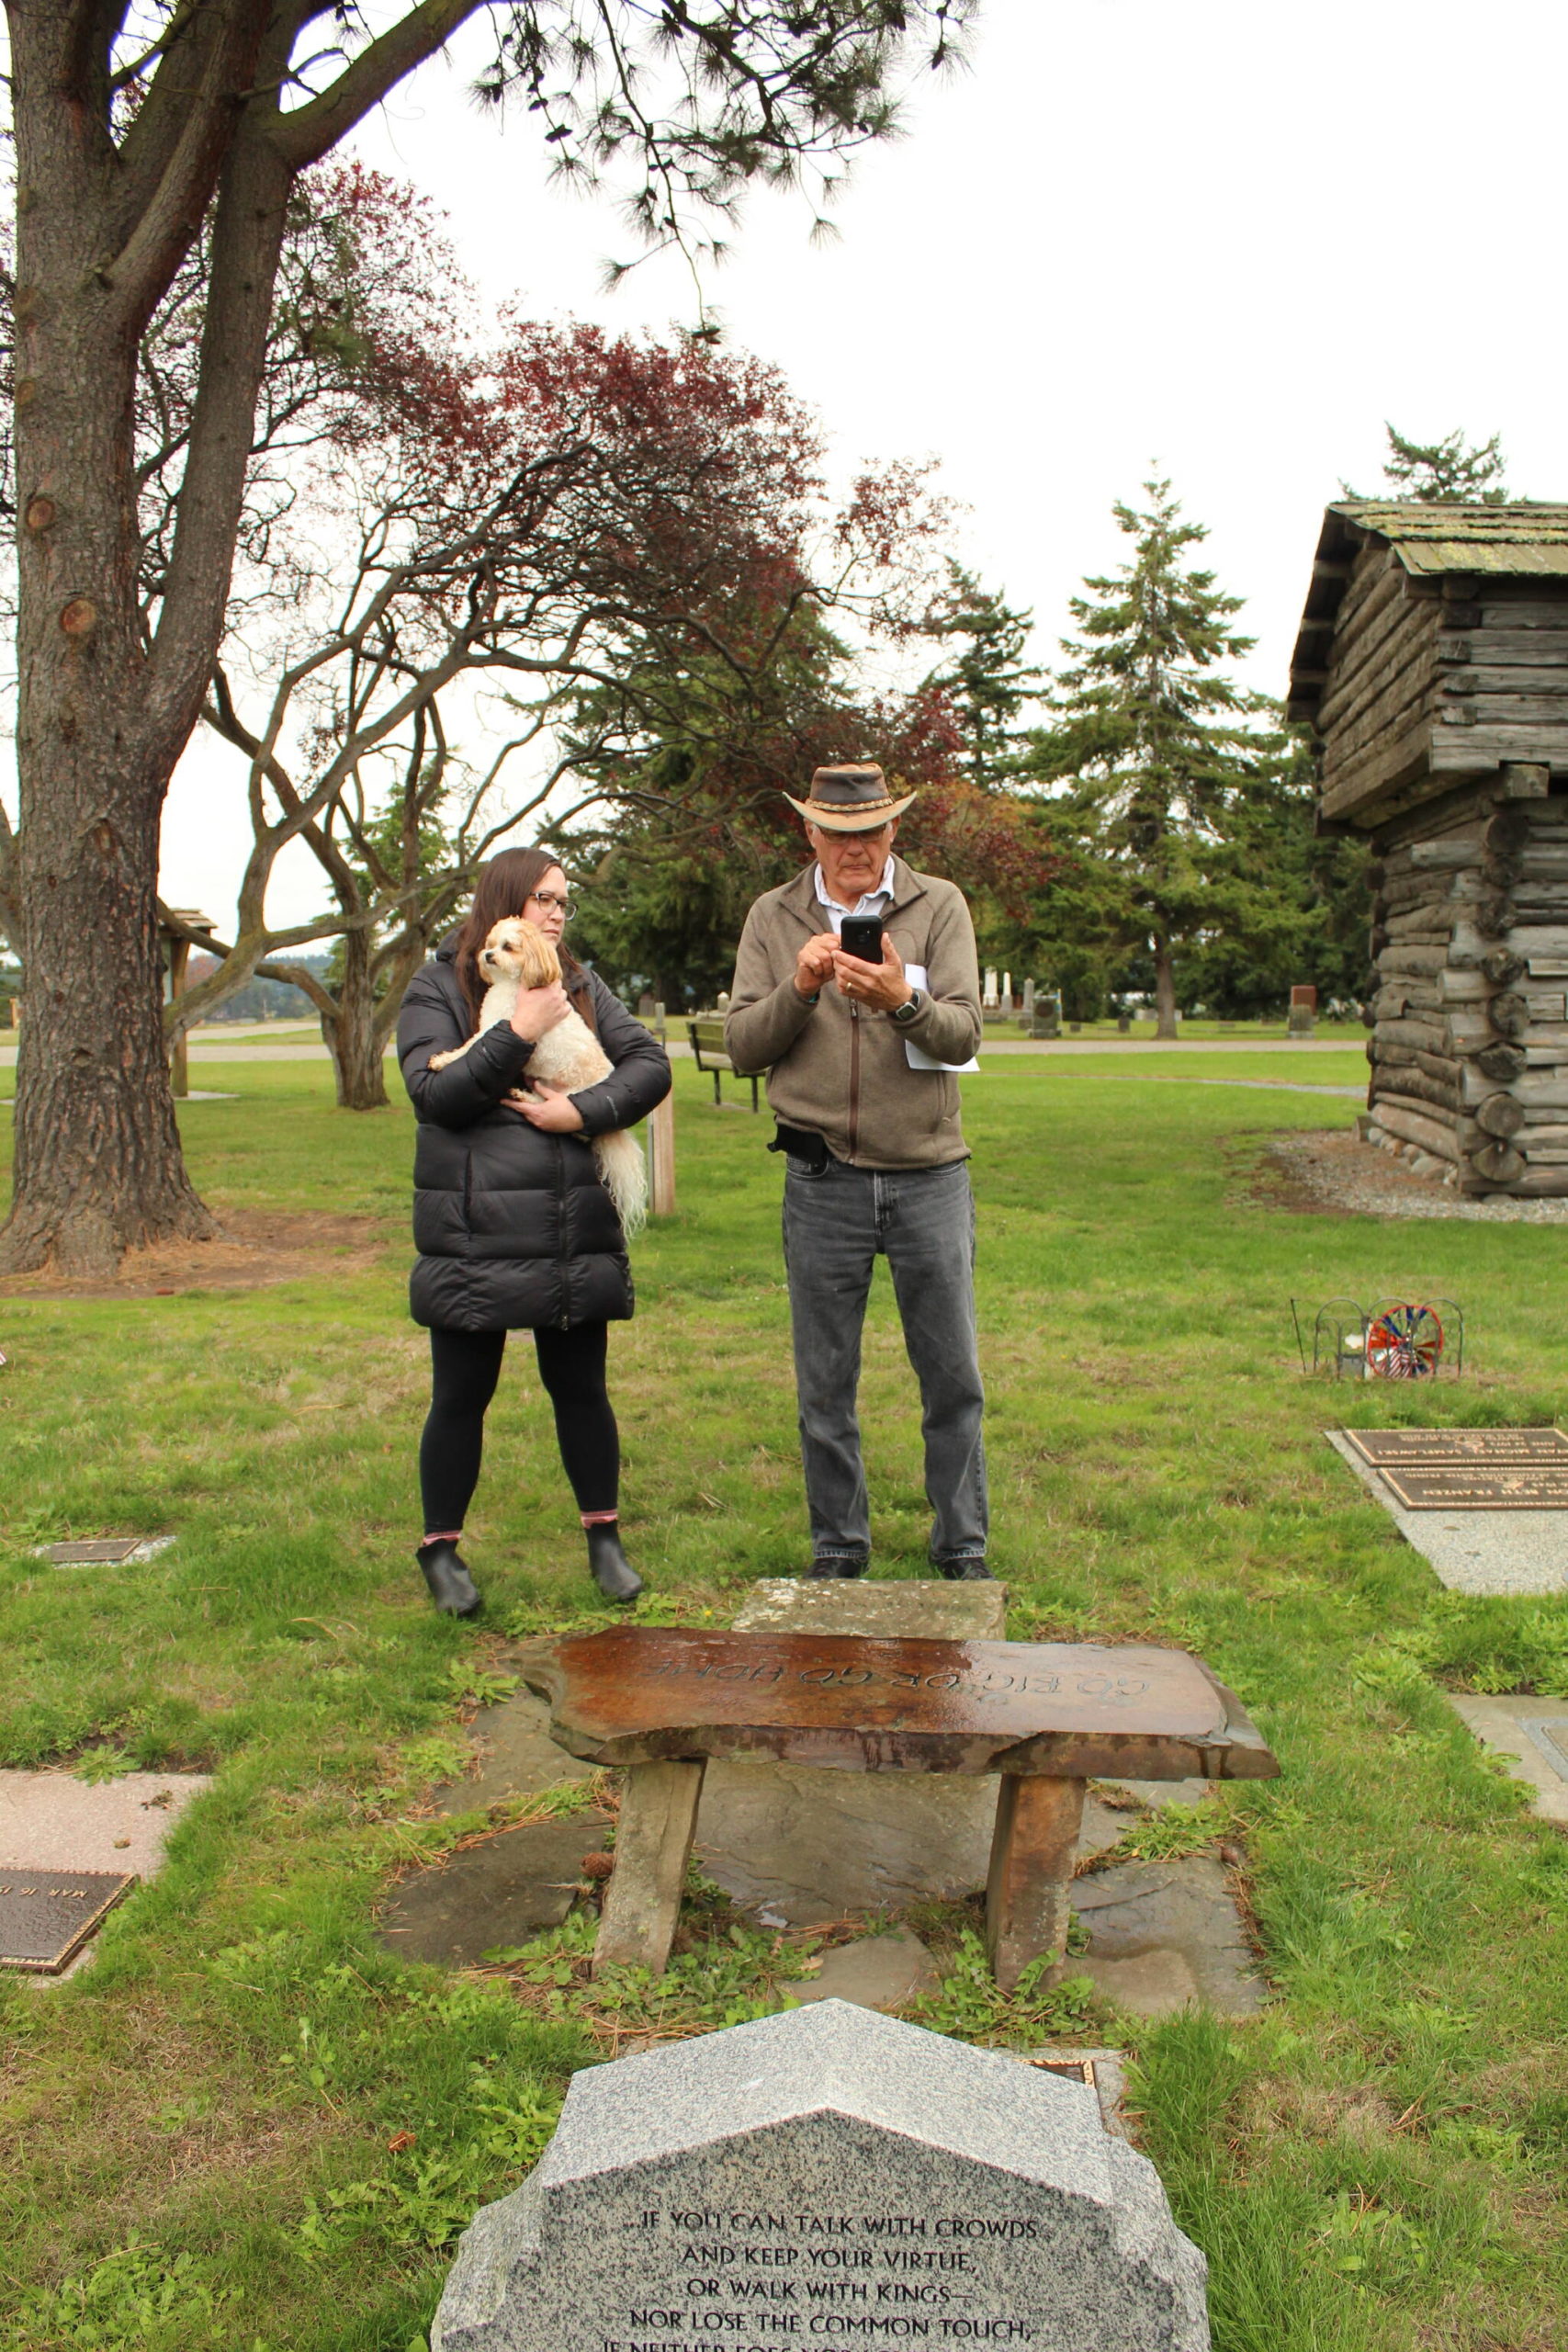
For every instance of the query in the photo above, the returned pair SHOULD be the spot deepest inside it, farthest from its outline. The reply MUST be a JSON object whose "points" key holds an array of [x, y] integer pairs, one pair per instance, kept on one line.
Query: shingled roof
{"points": [[1503, 542]]}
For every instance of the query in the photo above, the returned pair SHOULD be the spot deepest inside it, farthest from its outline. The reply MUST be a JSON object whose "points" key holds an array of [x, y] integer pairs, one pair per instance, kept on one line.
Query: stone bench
{"points": [[1045, 1717]]}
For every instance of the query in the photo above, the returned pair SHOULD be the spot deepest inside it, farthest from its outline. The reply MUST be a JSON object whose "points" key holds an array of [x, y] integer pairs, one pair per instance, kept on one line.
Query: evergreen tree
{"points": [[1154, 753], [986, 677], [1446, 472]]}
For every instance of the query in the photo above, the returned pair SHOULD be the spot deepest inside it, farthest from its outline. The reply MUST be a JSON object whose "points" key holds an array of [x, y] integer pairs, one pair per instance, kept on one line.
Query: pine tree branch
{"points": [[304, 134]]}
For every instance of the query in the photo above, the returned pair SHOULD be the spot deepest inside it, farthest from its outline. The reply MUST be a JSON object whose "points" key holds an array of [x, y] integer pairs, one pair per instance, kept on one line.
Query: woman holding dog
{"points": [[514, 1228]]}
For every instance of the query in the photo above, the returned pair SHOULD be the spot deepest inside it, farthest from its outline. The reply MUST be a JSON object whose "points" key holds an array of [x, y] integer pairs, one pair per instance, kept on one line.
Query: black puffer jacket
{"points": [[512, 1227]]}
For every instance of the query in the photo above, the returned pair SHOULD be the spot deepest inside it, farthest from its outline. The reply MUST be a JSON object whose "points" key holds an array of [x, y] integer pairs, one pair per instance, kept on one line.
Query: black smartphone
{"points": [[862, 936]]}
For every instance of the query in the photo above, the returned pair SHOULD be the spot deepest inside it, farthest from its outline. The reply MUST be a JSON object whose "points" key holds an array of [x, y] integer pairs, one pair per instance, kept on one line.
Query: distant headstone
{"points": [[989, 995], [1123, 1023], [1029, 1004], [1303, 1011], [1047, 1021], [1007, 992], [645, 1006], [828, 2176]]}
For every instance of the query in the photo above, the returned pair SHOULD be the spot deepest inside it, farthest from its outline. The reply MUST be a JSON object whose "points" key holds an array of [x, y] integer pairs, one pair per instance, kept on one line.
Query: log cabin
{"points": [[1432, 667]]}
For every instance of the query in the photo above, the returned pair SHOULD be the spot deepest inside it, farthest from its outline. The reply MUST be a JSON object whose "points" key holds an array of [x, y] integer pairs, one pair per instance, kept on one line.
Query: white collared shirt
{"points": [[872, 902]]}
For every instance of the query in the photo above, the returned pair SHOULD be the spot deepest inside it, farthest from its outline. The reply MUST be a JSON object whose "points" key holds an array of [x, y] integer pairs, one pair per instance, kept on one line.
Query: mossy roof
{"points": [[1516, 542]]}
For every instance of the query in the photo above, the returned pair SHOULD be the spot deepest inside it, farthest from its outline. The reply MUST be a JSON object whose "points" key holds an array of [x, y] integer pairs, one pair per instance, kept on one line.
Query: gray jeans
{"points": [[835, 1221]]}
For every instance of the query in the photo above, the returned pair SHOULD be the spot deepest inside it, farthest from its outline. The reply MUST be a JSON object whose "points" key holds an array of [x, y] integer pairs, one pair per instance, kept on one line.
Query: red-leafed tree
{"points": [[575, 518], [182, 128]]}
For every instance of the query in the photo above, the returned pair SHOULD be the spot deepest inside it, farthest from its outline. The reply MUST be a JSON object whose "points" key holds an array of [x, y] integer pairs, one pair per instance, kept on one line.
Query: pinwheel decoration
{"points": [[1395, 1339], [1405, 1342]]}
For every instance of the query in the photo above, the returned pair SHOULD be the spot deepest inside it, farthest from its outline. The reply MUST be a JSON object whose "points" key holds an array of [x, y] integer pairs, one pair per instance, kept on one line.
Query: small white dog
{"points": [[516, 955]]}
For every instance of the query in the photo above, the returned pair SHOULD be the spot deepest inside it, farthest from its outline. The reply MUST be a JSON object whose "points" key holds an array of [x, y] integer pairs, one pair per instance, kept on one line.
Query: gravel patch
{"points": [[1335, 1170]]}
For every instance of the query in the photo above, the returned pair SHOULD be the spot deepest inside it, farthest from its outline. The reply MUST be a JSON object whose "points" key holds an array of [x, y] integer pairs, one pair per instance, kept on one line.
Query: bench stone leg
{"points": [[1033, 1852], [653, 1844]]}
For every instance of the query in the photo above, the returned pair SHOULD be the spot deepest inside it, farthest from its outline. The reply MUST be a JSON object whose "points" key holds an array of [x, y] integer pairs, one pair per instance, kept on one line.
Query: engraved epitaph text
{"points": [[1469, 1469]]}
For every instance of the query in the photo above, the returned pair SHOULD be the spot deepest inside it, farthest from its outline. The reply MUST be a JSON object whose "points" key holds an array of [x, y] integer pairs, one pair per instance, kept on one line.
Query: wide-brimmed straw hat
{"points": [[853, 798]]}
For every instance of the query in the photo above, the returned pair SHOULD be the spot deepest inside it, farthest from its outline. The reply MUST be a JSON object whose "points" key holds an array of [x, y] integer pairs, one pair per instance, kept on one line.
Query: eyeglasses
{"points": [[549, 899]]}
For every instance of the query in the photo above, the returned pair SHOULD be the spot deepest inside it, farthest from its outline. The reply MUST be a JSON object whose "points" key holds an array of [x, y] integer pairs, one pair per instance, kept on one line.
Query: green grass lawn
{"points": [[208, 2131]]}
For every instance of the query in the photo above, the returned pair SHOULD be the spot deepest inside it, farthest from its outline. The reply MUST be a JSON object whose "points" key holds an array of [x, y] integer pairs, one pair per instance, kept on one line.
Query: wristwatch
{"points": [[904, 1014]]}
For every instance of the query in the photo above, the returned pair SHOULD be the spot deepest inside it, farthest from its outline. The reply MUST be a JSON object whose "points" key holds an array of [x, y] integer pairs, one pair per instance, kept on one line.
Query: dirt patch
{"points": [[252, 1248], [1330, 1172]]}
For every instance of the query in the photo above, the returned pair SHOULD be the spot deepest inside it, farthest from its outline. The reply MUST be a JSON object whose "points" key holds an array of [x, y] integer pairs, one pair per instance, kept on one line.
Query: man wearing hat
{"points": [[860, 1058]]}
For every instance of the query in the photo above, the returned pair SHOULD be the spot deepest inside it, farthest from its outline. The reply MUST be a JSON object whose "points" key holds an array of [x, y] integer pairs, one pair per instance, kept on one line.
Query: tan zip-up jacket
{"points": [[838, 1068]]}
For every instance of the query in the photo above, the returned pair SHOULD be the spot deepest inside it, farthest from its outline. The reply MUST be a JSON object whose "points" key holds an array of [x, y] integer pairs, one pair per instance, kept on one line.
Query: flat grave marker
{"points": [[109, 1547], [102, 1551], [1531, 1746], [47, 1915], [826, 2177], [1477, 1537], [1469, 1469], [57, 1830]]}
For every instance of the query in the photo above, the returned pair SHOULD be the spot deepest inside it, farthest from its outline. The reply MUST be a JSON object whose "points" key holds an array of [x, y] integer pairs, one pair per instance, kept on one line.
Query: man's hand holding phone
{"points": [[879, 986]]}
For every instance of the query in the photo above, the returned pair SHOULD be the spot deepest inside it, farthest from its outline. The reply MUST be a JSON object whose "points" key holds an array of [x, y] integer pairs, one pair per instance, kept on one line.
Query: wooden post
{"points": [[653, 1845], [661, 1158], [179, 1072], [179, 956], [1034, 1848]]}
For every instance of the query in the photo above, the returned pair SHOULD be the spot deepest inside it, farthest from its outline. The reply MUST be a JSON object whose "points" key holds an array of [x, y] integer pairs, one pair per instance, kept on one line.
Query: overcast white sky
{"points": [[1221, 239]]}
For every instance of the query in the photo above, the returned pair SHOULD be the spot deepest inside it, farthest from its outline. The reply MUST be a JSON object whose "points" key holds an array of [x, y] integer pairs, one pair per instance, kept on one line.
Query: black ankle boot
{"points": [[447, 1573], [612, 1571]]}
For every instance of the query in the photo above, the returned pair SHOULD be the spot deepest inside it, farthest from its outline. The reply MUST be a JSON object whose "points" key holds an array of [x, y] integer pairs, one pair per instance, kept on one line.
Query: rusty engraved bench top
{"points": [[641, 1694]]}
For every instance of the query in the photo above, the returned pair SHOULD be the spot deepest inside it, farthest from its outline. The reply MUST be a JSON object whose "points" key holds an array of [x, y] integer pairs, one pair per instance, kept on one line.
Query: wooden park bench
{"points": [[708, 1052], [1045, 1717]]}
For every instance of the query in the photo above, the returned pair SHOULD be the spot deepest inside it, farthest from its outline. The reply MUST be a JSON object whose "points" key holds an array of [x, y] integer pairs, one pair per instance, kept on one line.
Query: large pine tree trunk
{"points": [[101, 721], [97, 1159], [1164, 989], [105, 216], [351, 1034]]}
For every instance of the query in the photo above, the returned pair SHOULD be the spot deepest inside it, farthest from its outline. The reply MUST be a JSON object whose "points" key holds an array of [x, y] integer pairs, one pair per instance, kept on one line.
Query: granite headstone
{"points": [[828, 2176]]}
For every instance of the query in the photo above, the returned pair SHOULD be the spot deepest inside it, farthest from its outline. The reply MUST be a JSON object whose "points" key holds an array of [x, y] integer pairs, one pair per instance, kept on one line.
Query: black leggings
{"points": [[466, 1366]]}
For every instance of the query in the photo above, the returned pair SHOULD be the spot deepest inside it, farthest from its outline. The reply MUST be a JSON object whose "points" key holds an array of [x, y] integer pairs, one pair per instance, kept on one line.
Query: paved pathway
{"points": [[1260, 1085], [205, 1050], [1119, 1046]]}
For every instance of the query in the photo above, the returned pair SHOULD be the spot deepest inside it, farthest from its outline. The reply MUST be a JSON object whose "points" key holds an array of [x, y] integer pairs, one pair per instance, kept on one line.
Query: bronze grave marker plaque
{"points": [[47, 1915], [98, 1550], [1469, 1469], [641, 1694]]}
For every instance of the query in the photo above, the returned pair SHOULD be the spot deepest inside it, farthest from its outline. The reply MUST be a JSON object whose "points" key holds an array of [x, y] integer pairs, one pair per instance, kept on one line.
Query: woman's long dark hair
{"points": [[503, 889]]}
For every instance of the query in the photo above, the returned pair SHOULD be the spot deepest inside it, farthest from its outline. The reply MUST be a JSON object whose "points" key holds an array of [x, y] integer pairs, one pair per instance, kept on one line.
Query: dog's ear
{"points": [[540, 963]]}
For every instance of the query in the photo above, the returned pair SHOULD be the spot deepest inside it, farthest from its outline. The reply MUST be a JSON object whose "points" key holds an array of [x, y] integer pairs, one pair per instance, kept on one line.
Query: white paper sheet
{"points": [[915, 975]]}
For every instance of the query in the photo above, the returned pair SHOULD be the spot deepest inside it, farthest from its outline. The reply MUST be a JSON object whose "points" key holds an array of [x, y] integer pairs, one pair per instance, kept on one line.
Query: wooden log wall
{"points": [[1432, 681], [1469, 1046]]}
